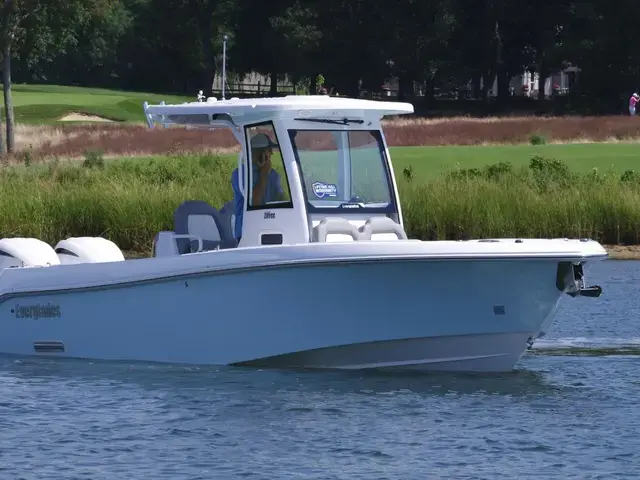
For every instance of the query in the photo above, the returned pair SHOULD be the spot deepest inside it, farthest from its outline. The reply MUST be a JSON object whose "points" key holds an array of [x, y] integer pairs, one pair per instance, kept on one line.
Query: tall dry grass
{"points": [[129, 201], [73, 140]]}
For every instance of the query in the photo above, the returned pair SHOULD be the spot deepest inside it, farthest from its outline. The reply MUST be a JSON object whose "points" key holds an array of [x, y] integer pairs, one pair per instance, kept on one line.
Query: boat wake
{"points": [[587, 346]]}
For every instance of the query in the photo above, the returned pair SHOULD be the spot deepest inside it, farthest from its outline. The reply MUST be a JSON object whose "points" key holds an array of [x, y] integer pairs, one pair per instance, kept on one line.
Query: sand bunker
{"points": [[82, 117]]}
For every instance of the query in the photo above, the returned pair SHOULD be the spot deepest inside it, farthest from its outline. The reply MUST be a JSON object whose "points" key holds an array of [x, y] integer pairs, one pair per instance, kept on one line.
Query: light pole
{"points": [[224, 64]]}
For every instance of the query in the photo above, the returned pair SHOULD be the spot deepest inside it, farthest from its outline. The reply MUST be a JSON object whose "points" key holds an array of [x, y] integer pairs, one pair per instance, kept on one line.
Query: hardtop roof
{"points": [[248, 110]]}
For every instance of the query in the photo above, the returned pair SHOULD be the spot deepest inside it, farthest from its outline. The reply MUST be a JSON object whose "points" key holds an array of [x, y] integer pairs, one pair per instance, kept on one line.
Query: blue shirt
{"points": [[274, 188]]}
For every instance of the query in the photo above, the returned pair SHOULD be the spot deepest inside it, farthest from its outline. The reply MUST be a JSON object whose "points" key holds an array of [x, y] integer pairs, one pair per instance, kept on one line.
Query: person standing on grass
{"points": [[632, 103]]}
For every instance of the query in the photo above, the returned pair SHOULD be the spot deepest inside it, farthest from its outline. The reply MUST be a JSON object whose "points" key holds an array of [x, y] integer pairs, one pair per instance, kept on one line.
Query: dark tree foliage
{"points": [[434, 49]]}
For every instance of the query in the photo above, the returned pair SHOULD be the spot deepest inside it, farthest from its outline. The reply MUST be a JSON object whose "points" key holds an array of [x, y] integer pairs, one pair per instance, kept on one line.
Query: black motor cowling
{"points": [[570, 279]]}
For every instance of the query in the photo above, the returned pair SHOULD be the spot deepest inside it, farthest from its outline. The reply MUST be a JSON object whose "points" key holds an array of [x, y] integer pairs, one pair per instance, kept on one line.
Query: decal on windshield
{"points": [[321, 189]]}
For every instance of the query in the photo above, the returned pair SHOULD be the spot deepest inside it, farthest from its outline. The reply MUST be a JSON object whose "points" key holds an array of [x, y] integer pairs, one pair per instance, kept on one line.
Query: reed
{"points": [[539, 201], [125, 200], [128, 200]]}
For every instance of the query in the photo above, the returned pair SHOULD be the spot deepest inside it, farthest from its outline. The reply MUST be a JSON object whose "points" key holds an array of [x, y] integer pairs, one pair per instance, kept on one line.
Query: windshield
{"points": [[343, 169]]}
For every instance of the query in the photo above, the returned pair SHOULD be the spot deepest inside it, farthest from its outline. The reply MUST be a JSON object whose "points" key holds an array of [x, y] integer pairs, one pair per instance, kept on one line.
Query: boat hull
{"points": [[402, 313], [491, 352]]}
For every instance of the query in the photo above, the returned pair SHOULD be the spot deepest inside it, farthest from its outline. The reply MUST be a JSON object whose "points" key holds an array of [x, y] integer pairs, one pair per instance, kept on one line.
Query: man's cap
{"points": [[262, 140]]}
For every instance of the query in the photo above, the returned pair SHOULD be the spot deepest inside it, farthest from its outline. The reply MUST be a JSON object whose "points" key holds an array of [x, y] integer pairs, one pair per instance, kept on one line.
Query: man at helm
{"points": [[266, 181]]}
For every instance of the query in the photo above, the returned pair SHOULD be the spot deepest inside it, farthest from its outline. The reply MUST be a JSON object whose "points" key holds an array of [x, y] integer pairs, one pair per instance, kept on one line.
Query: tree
{"points": [[11, 15], [281, 38], [40, 30], [95, 36], [418, 49], [354, 37]]}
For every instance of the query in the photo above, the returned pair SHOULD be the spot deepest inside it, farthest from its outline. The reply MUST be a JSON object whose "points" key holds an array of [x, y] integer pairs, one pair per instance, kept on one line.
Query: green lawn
{"points": [[45, 104], [37, 104], [428, 161]]}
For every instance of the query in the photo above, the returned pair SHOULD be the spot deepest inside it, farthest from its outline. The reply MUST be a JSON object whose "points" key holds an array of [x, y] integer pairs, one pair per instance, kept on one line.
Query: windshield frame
{"points": [[390, 208]]}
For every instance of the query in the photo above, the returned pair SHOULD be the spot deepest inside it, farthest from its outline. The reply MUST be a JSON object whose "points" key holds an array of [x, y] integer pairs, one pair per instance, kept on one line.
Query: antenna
{"points": [[224, 64]]}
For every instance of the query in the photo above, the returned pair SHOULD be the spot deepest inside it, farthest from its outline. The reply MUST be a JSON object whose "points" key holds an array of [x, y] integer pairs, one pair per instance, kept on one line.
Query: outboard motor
{"points": [[26, 252], [570, 279], [88, 250]]}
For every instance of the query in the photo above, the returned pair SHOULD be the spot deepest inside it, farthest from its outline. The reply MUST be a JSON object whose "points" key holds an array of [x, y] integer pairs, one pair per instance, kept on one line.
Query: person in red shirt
{"points": [[632, 103]]}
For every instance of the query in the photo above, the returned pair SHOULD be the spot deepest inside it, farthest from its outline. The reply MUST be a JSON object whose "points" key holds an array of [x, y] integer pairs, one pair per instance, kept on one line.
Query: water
{"points": [[558, 416]]}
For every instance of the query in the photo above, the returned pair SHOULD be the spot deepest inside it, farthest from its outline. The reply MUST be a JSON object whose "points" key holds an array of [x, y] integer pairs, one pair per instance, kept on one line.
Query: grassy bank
{"points": [[129, 200], [71, 140], [46, 144], [64, 122], [428, 162], [47, 104]]}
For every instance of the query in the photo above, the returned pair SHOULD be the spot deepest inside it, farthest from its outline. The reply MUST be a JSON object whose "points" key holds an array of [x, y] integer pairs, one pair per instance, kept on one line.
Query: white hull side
{"points": [[472, 315]]}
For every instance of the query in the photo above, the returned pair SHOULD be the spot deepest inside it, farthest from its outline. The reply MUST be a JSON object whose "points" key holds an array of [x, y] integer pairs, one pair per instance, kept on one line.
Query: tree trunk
{"points": [[273, 91], [6, 85], [543, 72], [477, 85], [504, 80], [2, 145], [405, 87], [207, 73], [354, 86], [501, 68], [8, 101]]}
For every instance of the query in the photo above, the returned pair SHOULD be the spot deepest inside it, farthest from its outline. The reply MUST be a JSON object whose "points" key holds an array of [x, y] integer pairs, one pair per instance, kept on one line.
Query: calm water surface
{"points": [[556, 417]]}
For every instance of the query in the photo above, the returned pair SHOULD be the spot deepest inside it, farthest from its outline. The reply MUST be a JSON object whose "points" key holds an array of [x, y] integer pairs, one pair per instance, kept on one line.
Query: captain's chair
{"points": [[205, 224], [228, 212]]}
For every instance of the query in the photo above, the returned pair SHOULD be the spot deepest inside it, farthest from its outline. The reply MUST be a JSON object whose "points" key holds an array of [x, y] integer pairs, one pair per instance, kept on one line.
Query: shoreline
{"points": [[623, 252], [616, 252], [70, 138]]}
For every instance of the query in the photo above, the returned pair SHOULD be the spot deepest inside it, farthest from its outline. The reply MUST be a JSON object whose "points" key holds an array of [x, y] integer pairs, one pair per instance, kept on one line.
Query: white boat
{"points": [[323, 276]]}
